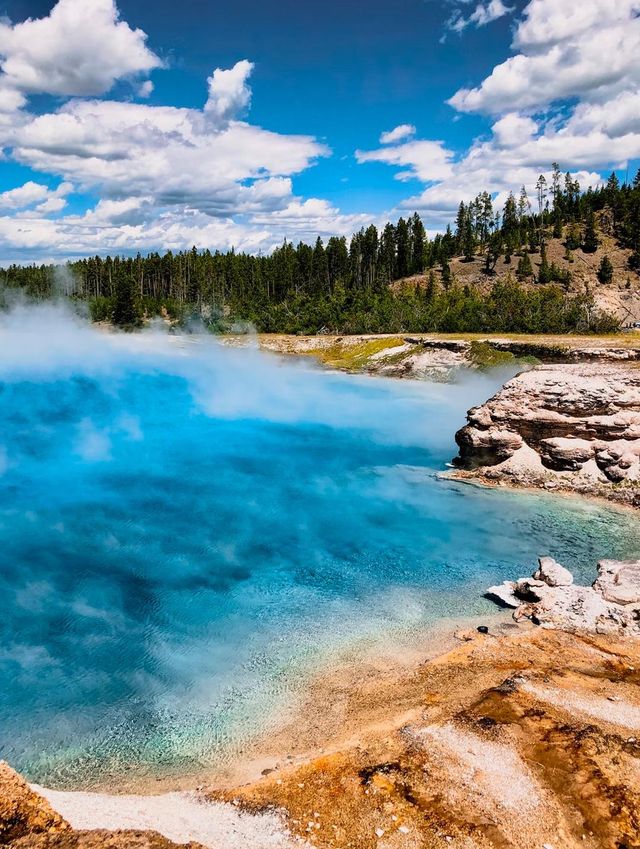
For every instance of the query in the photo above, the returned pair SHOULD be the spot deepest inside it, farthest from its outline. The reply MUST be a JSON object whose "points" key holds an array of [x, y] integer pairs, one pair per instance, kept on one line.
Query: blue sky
{"points": [[143, 126]]}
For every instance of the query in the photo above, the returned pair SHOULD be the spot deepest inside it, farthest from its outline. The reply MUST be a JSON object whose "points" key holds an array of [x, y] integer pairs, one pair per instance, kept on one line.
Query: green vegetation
{"points": [[605, 271], [485, 356], [126, 309], [344, 286], [353, 357]]}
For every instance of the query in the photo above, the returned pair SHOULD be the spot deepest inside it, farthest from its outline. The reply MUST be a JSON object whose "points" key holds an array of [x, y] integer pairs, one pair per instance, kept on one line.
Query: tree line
{"points": [[353, 285]]}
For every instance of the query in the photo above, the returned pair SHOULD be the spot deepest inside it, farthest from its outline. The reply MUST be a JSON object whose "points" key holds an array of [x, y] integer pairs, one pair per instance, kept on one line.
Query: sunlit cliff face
{"points": [[186, 529]]}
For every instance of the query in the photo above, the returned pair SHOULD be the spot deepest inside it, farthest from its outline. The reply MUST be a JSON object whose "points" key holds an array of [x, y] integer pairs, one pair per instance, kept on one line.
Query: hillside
{"points": [[620, 297]]}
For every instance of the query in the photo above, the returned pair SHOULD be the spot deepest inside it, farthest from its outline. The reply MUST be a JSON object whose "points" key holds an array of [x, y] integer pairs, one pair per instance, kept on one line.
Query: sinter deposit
{"points": [[551, 599], [573, 427]]}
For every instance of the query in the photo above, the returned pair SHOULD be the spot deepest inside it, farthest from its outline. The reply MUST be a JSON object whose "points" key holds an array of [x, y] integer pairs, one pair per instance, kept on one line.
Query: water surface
{"points": [[186, 530]]}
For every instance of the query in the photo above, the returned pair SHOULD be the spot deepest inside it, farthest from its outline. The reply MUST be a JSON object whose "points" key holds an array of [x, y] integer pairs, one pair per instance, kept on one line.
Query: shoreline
{"points": [[516, 739], [303, 729], [471, 478]]}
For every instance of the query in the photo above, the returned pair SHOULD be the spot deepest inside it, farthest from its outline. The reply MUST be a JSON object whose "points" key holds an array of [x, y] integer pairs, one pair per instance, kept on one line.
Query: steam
{"points": [[49, 342], [187, 527]]}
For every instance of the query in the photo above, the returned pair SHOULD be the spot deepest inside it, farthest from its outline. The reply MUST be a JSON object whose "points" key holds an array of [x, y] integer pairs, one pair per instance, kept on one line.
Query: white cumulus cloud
{"points": [[589, 50], [425, 160], [483, 14], [81, 48], [403, 131], [229, 94]]}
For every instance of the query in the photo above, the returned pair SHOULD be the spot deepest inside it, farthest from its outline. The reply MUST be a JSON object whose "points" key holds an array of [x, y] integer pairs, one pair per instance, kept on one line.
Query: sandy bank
{"points": [[521, 737]]}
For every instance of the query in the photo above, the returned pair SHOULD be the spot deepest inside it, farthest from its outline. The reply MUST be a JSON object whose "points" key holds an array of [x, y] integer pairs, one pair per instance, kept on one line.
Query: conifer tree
{"points": [[418, 244], [573, 238], [430, 288], [544, 272], [126, 312], [524, 269], [605, 271], [590, 241], [446, 274]]}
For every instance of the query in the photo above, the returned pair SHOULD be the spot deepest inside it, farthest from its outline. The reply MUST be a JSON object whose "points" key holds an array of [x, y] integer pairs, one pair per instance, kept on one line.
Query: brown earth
{"points": [[528, 740], [518, 738]]}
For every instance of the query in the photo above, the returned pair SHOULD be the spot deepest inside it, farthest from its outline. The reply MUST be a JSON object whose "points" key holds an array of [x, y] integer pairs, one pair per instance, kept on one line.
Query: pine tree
{"points": [[418, 244], [446, 274], [468, 241], [403, 248], [544, 272], [510, 216], [572, 242], [605, 271], [461, 220], [430, 288], [590, 242], [524, 269], [126, 312]]}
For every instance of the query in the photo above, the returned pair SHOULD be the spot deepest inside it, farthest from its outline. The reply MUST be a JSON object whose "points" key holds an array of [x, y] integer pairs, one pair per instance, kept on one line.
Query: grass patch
{"points": [[354, 357], [484, 356]]}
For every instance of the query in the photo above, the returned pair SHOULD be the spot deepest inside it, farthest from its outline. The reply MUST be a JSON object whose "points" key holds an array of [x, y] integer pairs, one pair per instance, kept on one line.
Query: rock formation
{"points": [[27, 821], [551, 599], [572, 427]]}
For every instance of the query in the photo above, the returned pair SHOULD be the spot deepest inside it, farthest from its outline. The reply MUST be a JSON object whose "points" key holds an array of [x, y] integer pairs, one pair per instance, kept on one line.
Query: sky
{"points": [[137, 126]]}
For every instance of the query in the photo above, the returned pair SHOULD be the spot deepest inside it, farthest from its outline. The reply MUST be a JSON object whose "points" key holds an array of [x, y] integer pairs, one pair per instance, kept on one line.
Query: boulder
{"points": [[505, 594], [610, 606], [567, 426], [530, 589], [552, 573], [618, 581], [22, 811]]}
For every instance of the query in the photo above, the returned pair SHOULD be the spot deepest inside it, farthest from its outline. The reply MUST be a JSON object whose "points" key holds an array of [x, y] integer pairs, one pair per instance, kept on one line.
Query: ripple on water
{"points": [[181, 545]]}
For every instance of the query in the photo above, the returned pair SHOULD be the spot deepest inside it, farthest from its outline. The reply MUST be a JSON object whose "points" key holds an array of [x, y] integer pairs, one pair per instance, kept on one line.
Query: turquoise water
{"points": [[186, 529]]}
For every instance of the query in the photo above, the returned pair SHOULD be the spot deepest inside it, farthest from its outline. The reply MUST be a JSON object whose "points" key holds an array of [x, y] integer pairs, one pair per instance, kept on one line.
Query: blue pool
{"points": [[185, 529]]}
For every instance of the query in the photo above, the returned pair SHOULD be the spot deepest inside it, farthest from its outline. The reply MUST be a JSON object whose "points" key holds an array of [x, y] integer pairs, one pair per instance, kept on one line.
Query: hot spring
{"points": [[187, 529]]}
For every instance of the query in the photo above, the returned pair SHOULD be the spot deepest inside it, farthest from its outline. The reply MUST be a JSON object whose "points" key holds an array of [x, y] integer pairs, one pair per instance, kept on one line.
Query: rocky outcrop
{"points": [[27, 821], [572, 427], [551, 599], [23, 812]]}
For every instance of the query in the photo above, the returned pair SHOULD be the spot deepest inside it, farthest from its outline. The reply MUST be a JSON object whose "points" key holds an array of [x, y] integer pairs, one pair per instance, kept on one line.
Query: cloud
{"points": [[132, 224], [175, 156], [560, 63], [561, 56], [145, 89], [31, 193], [484, 13], [163, 177], [425, 160], [80, 48], [403, 131], [229, 94]]}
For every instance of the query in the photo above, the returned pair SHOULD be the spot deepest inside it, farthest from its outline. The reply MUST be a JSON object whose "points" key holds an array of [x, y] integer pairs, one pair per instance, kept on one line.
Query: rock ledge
{"points": [[565, 427], [610, 606]]}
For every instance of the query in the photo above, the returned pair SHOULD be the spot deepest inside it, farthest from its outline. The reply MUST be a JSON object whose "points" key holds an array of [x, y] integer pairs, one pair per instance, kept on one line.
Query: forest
{"points": [[390, 280]]}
